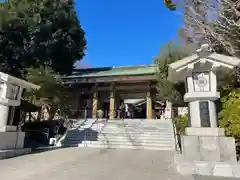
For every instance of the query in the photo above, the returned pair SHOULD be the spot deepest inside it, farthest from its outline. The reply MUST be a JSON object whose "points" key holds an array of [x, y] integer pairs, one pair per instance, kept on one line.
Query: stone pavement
{"points": [[91, 164]]}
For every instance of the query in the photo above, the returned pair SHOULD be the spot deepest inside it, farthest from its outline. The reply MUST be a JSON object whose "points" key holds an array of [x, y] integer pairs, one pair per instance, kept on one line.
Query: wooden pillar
{"points": [[149, 104], [95, 103], [154, 99], [112, 102]]}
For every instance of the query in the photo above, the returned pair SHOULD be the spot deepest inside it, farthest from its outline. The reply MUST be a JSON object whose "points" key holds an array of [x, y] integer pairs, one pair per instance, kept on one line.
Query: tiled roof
{"points": [[115, 71]]}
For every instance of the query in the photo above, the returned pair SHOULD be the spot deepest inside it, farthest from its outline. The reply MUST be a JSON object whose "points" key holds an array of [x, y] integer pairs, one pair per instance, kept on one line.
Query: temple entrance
{"points": [[115, 84], [140, 111], [116, 100], [136, 108]]}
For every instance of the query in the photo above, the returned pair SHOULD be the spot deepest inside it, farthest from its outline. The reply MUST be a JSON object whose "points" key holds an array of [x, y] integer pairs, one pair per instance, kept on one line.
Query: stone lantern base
{"points": [[10, 138], [208, 144], [12, 142], [207, 151]]}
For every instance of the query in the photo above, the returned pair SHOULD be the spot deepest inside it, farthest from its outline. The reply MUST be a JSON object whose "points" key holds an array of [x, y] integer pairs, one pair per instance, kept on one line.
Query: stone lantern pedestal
{"points": [[11, 138], [208, 144], [205, 148]]}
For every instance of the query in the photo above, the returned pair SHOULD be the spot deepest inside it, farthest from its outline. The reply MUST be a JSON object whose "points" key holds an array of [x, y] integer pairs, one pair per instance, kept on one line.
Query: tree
{"points": [[222, 32], [221, 27], [170, 53], [39, 33], [49, 96], [170, 5]]}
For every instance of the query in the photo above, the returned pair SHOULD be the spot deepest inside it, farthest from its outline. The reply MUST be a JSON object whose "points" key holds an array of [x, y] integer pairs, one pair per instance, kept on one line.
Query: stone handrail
{"points": [[70, 127]]}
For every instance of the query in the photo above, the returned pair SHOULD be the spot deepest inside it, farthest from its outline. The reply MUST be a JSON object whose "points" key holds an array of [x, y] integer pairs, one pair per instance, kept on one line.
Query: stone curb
{"points": [[14, 152]]}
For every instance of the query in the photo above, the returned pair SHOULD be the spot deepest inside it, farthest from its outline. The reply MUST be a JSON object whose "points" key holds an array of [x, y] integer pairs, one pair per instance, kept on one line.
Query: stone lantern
{"points": [[203, 141], [11, 89]]}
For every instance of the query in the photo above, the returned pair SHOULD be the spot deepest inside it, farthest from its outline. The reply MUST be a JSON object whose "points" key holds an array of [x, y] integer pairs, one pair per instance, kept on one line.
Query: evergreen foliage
{"points": [[230, 114], [181, 123], [39, 33], [50, 96], [166, 90]]}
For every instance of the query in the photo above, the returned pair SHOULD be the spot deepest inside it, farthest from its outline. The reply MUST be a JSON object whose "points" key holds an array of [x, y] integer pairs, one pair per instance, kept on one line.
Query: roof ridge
{"points": [[135, 66], [115, 67]]}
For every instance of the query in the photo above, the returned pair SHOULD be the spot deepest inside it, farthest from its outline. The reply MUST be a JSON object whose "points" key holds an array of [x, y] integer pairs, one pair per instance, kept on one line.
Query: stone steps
{"points": [[136, 129], [156, 132], [129, 142], [119, 141], [123, 146], [124, 141], [123, 136], [135, 134]]}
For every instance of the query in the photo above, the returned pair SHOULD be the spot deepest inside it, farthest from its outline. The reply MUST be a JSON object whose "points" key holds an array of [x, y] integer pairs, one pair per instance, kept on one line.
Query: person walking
{"points": [[122, 110]]}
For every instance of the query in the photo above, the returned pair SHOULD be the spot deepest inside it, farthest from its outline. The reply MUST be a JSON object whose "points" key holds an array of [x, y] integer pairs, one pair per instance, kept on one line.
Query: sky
{"points": [[125, 32]]}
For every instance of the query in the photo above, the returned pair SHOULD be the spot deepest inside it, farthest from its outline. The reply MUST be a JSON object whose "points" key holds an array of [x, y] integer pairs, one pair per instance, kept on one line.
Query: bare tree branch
{"points": [[213, 21]]}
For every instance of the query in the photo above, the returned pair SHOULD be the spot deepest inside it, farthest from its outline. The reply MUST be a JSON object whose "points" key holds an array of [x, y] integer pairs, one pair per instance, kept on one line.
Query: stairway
{"points": [[133, 134]]}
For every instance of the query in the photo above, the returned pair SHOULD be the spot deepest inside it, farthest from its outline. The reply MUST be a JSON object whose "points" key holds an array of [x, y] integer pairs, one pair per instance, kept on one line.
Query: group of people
{"points": [[131, 111], [125, 110]]}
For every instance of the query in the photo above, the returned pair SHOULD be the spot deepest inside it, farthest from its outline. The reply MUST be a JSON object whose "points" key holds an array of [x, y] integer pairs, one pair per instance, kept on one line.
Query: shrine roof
{"points": [[114, 71]]}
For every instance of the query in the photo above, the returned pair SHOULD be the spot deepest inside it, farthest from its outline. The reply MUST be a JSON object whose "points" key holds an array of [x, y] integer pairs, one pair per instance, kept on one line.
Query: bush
{"points": [[230, 114], [181, 122]]}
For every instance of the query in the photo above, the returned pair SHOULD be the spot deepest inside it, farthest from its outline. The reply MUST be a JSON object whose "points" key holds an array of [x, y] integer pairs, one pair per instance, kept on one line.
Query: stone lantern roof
{"points": [[6, 78], [178, 69]]}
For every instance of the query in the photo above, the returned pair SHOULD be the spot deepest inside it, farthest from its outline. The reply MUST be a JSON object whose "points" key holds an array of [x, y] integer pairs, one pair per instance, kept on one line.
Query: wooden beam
{"points": [[137, 78], [128, 87]]}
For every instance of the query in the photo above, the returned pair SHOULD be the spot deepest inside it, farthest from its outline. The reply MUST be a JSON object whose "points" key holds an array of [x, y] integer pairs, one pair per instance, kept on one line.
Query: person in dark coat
{"points": [[122, 110]]}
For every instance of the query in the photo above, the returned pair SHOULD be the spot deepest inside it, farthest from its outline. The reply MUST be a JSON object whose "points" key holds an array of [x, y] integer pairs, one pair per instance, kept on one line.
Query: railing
{"points": [[97, 121], [177, 138], [86, 133], [69, 127], [117, 114], [88, 112]]}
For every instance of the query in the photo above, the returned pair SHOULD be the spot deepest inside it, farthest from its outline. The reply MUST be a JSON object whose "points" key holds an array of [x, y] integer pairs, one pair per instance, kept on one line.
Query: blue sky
{"points": [[125, 32]]}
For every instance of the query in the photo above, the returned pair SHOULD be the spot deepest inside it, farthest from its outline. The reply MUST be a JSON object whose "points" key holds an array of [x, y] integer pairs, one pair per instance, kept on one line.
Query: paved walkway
{"points": [[91, 164]]}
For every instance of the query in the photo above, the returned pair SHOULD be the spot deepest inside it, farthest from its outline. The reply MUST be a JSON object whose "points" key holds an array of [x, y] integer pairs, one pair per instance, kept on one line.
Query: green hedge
{"points": [[181, 122], [229, 116]]}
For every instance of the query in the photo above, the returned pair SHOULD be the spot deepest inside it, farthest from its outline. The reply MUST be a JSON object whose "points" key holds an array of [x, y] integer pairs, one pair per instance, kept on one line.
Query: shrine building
{"points": [[91, 89]]}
